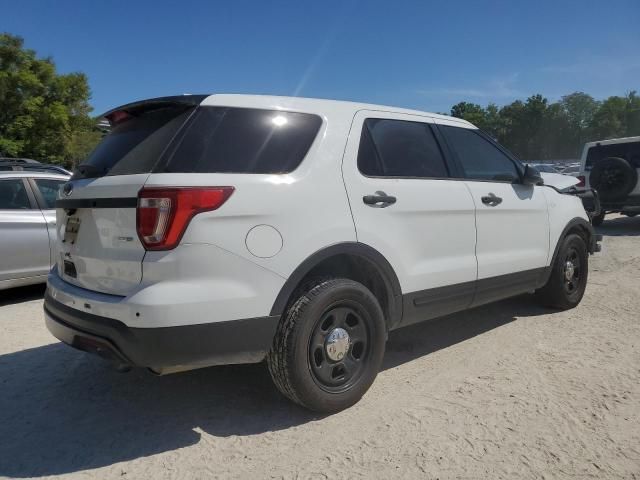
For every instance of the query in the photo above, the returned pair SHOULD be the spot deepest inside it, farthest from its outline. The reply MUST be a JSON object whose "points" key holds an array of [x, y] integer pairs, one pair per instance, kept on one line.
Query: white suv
{"points": [[209, 230], [612, 168]]}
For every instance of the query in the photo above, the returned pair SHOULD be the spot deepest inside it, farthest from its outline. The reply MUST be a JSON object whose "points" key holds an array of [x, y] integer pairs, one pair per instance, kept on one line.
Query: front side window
{"points": [[398, 148], [13, 195], [479, 159], [49, 190]]}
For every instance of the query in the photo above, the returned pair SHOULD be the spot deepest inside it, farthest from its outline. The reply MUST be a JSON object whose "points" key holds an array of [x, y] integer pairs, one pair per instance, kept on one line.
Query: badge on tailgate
{"points": [[71, 229]]}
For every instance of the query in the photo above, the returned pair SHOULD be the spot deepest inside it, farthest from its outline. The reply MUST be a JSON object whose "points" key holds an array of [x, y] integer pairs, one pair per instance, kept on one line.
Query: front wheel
{"points": [[597, 220], [568, 279], [329, 346]]}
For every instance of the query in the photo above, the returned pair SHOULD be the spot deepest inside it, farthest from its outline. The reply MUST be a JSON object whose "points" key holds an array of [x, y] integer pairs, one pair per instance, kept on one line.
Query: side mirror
{"points": [[531, 176]]}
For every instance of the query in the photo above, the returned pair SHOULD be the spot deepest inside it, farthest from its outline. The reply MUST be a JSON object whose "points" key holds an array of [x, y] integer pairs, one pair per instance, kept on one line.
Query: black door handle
{"points": [[492, 200], [379, 200]]}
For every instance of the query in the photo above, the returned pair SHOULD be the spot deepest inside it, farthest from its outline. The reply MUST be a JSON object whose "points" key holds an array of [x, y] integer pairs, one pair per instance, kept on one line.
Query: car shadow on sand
{"points": [[63, 411], [22, 294], [620, 226]]}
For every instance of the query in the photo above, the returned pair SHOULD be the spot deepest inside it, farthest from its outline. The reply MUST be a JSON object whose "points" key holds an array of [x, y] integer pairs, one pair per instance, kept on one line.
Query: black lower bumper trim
{"points": [[219, 343]]}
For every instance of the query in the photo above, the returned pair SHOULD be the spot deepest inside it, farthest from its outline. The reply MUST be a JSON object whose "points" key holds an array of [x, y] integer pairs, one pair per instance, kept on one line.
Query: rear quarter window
{"points": [[243, 140]]}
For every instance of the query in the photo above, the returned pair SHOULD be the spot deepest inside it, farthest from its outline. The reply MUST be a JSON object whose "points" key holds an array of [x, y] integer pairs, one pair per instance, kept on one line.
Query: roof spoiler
{"points": [[154, 103]]}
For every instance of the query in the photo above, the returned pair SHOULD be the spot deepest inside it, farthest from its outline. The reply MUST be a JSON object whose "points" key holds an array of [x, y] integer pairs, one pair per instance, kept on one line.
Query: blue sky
{"points": [[419, 54]]}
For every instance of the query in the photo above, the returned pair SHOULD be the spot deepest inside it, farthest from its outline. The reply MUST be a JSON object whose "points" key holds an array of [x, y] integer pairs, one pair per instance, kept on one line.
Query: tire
{"points": [[300, 360], [614, 178], [559, 291], [597, 220]]}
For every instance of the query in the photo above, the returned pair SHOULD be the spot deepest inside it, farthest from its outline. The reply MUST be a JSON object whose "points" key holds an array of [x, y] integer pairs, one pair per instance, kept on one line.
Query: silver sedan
{"points": [[27, 226]]}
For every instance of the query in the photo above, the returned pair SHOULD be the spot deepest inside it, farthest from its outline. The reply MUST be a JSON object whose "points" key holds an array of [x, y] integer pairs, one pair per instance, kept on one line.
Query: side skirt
{"points": [[438, 302]]}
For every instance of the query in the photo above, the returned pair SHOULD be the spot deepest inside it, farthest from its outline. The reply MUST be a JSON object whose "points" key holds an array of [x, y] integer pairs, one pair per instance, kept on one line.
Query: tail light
{"points": [[582, 180], [164, 213]]}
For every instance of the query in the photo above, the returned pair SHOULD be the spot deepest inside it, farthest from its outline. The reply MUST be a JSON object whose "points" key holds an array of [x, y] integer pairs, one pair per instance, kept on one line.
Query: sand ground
{"points": [[509, 390]]}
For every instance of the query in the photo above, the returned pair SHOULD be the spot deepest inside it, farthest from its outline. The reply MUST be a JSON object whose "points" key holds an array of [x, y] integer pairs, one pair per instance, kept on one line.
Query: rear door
{"points": [[24, 246], [406, 206], [98, 246], [511, 218]]}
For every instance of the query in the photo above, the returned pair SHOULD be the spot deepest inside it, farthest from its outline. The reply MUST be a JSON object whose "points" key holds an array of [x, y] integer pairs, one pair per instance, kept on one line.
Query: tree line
{"points": [[46, 115], [536, 129]]}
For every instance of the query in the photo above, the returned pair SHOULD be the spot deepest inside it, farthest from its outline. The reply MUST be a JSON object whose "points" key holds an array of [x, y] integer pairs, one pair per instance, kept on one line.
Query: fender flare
{"points": [[591, 243], [357, 249]]}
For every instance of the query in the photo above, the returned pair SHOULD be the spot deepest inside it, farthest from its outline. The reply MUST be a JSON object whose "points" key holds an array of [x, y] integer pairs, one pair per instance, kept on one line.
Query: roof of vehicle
{"points": [[20, 161], [302, 104], [32, 174], [611, 141]]}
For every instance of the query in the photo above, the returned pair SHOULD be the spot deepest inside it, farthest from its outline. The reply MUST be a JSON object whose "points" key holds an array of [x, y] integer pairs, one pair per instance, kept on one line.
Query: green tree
{"points": [[43, 115]]}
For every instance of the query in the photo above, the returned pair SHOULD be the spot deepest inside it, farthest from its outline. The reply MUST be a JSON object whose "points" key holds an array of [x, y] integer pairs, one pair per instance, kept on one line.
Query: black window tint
{"points": [[479, 158], [135, 144], [630, 151], [49, 190], [244, 140], [397, 148], [13, 195]]}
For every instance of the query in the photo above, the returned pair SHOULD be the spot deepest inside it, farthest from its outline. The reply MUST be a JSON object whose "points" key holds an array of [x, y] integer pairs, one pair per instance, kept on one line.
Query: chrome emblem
{"points": [[67, 189]]}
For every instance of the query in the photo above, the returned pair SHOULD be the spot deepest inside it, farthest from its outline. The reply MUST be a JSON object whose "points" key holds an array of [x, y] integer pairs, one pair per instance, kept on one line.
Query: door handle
{"points": [[492, 200], [379, 200]]}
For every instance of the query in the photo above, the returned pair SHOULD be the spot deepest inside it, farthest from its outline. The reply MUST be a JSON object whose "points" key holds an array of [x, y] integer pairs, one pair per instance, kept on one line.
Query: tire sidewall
{"points": [[355, 295], [575, 241]]}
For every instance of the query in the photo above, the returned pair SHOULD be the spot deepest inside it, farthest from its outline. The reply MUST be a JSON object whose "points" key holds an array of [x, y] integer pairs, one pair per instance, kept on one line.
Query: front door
{"points": [[405, 206], [511, 218]]}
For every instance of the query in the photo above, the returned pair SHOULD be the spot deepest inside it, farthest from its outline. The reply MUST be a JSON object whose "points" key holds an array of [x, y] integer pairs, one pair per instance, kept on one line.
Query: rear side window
{"points": [[630, 151], [49, 190], [243, 140], [397, 148], [479, 158], [13, 195], [135, 144]]}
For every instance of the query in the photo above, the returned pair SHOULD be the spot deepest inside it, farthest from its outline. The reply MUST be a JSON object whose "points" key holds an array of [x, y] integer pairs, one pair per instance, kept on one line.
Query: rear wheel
{"points": [[568, 280], [329, 346]]}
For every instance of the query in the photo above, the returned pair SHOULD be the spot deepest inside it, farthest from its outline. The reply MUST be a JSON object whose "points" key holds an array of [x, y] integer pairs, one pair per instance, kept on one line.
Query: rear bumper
{"points": [[163, 348]]}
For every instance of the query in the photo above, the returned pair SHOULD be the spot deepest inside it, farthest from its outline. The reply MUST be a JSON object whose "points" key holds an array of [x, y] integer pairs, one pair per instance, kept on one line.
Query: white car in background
{"points": [[612, 168], [27, 225]]}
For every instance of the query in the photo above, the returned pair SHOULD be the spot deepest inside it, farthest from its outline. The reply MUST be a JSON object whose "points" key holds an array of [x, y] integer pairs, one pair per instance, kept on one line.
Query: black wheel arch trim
{"points": [[357, 249], [571, 225]]}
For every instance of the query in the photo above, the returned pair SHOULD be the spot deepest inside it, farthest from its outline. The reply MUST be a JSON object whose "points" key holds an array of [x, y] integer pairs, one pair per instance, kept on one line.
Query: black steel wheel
{"points": [[329, 345], [568, 278], [339, 347]]}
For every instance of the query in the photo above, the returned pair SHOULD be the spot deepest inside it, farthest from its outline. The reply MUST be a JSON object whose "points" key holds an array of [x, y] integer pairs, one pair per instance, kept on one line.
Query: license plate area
{"points": [[71, 229]]}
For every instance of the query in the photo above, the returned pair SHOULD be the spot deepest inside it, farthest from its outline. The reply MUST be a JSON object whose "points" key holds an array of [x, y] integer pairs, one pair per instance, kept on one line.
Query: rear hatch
{"points": [[164, 162], [99, 248]]}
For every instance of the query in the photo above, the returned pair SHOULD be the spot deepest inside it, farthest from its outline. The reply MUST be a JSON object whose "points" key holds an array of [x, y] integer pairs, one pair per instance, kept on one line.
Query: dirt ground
{"points": [[509, 390]]}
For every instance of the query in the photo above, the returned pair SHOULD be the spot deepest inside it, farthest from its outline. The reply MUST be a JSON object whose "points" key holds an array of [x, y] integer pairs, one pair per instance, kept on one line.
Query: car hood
{"points": [[559, 180]]}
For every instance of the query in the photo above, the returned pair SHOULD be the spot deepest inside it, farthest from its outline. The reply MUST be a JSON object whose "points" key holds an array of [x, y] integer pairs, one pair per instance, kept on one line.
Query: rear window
{"points": [[136, 143], [630, 151], [243, 140]]}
